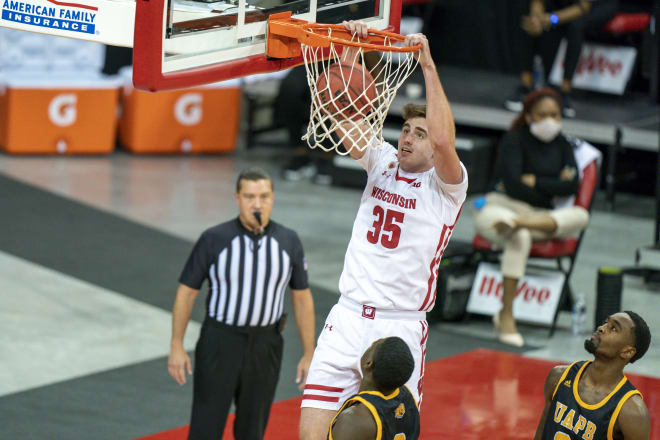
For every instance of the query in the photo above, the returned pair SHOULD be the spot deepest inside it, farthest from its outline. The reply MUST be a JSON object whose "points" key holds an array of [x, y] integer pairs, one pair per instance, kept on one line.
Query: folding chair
{"points": [[559, 249]]}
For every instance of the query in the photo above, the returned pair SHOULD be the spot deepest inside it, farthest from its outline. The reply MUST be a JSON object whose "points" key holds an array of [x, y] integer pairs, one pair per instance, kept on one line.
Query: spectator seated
{"points": [[588, 159]]}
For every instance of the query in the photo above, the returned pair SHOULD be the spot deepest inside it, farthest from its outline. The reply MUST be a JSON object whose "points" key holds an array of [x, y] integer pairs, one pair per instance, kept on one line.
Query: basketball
{"points": [[348, 93]]}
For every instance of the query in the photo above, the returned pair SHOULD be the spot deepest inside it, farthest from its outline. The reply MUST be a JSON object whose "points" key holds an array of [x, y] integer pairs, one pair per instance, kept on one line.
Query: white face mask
{"points": [[545, 130]]}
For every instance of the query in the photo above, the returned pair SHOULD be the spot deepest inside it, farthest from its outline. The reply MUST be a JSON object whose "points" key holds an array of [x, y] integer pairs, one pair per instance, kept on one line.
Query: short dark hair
{"points": [[393, 363], [414, 111], [641, 334], [254, 174]]}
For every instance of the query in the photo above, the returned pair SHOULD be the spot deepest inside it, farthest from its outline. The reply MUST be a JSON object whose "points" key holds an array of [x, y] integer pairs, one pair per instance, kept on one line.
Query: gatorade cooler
{"points": [[58, 113], [196, 120]]}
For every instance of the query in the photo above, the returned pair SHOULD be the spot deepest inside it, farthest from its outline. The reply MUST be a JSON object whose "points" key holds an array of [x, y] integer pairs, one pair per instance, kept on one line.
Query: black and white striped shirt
{"points": [[247, 275]]}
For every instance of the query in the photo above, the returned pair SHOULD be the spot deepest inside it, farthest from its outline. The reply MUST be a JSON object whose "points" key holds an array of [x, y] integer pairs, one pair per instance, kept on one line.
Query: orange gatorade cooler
{"points": [[196, 120], [45, 113]]}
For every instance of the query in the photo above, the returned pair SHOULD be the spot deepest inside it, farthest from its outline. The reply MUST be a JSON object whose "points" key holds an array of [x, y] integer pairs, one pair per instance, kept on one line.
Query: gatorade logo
{"points": [[188, 109], [62, 109]]}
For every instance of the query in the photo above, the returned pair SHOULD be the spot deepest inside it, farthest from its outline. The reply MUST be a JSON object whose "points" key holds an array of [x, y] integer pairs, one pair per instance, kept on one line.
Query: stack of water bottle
{"points": [[579, 314]]}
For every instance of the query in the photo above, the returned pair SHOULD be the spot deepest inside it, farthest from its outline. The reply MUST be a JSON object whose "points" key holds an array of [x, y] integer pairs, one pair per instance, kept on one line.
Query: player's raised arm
{"points": [[442, 131], [352, 134], [354, 143], [359, 30]]}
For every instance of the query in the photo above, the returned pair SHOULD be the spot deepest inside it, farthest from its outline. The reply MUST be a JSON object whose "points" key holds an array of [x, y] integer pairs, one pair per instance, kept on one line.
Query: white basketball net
{"points": [[359, 133]]}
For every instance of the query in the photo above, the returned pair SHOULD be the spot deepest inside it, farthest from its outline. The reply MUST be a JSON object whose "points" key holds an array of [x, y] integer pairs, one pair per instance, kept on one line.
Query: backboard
{"points": [[180, 43]]}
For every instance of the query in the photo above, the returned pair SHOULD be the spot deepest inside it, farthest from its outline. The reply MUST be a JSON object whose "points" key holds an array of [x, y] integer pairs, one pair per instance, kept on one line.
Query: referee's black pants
{"points": [[240, 364]]}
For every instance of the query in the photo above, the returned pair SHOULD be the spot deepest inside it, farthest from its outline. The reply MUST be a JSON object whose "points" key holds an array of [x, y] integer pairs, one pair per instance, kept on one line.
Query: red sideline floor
{"points": [[482, 394]]}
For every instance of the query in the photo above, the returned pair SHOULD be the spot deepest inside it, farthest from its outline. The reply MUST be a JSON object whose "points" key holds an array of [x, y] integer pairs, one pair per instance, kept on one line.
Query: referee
{"points": [[248, 261]]}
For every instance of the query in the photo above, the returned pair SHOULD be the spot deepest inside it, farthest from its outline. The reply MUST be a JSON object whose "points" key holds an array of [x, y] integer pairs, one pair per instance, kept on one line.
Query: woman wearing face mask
{"points": [[536, 166]]}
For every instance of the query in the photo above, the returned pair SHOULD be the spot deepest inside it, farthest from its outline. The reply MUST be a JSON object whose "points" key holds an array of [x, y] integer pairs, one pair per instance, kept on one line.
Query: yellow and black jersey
{"points": [[571, 418], [396, 415]]}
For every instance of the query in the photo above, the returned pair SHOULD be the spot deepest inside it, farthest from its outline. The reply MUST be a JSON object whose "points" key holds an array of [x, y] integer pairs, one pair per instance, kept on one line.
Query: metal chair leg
{"points": [[610, 177]]}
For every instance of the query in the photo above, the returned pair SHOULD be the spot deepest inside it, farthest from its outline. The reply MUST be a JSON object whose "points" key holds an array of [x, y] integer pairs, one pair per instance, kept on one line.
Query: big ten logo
{"points": [[62, 109], [491, 286], [188, 109]]}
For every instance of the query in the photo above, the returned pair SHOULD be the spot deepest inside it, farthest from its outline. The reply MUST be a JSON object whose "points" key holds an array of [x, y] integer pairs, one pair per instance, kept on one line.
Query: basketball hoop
{"points": [[349, 102]]}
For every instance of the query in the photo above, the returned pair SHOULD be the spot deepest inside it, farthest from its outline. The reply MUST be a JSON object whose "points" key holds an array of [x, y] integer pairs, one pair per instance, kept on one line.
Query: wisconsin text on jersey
{"points": [[394, 199], [51, 14]]}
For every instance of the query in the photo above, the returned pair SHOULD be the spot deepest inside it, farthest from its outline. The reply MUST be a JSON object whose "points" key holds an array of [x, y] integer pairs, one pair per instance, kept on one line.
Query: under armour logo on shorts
{"points": [[368, 312]]}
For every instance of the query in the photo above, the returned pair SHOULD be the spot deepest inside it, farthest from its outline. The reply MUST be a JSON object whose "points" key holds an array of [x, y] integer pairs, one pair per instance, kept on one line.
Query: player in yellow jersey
{"points": [[593, 400], [384, 407]]}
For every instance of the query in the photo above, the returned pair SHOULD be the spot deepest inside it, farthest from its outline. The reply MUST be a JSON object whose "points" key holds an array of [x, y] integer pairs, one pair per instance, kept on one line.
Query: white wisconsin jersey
{"points": [[401, 229]]}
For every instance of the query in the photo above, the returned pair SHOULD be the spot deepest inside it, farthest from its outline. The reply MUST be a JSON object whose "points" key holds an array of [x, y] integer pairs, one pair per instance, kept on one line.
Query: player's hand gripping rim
{"points": [[424, 54], [358, 29]]}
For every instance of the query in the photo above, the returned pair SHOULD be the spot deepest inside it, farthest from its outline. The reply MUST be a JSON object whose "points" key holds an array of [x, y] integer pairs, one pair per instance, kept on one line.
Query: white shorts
{"points": [[349, 330]]}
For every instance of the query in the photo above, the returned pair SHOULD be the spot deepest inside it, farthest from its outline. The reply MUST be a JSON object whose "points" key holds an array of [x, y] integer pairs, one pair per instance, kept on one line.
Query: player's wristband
{"points": [[554, 20]]}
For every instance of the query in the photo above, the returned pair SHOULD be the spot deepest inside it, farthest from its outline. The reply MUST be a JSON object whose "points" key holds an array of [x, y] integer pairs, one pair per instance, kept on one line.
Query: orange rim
{"points": [[283, 29], [376, 38]]}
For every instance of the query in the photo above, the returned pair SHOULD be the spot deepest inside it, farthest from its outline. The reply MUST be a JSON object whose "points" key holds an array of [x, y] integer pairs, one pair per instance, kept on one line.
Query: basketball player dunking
{"points": [[594, 400], [383, 408], [407, 213]]}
